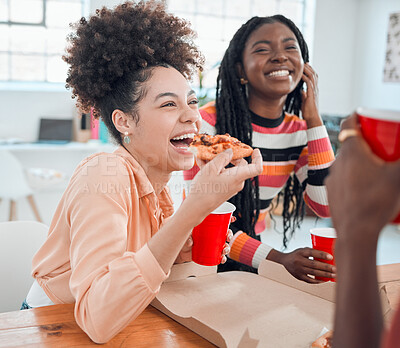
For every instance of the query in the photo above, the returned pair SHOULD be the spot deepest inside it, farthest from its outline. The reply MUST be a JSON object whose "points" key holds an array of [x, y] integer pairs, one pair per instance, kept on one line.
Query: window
{"points": [[216, 21], [33, 38]]}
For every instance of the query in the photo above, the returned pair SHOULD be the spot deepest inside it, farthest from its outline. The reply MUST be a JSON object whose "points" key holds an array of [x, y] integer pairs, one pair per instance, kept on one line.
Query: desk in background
{"points": [[62, 157]]}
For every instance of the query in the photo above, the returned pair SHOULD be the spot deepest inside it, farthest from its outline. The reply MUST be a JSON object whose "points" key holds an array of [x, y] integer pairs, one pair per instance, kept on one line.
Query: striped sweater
{"points": [[286, 146]]}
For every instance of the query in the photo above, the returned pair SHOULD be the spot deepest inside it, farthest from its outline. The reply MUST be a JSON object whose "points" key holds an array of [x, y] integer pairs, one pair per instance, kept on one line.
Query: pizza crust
{"points": [[324, 341]]}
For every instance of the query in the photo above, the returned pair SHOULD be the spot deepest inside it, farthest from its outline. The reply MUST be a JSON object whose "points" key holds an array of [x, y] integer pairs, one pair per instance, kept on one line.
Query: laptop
{"points": [[55, 131]]}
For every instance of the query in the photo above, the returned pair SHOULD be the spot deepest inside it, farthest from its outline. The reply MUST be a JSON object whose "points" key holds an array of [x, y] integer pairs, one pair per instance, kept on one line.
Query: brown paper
{"points": [[278, 273], [240, 309]]}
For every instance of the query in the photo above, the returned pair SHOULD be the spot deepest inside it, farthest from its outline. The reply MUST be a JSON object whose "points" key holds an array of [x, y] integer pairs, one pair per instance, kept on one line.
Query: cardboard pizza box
{"points": [[241, 309]]}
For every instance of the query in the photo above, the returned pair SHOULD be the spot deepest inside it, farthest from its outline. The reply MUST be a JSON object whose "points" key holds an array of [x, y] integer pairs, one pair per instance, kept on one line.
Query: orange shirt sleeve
{"points": [[111, 286]]}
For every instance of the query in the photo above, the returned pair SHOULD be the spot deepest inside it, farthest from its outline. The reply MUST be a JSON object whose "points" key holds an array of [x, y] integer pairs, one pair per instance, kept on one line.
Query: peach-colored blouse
{"points": [[96, 252]]}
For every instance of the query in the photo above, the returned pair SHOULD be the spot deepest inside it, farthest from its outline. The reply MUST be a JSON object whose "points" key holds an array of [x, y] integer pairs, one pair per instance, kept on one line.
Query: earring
{"points": [[243, 81], [127, 140]]}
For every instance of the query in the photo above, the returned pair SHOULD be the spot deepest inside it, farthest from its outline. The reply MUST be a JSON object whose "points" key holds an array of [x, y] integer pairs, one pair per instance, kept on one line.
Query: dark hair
{"points": [[233, 117], [114, 52]]}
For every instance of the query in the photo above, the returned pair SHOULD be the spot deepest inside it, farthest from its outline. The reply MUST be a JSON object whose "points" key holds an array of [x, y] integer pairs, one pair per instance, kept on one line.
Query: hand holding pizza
{"points": [[215, 184]]}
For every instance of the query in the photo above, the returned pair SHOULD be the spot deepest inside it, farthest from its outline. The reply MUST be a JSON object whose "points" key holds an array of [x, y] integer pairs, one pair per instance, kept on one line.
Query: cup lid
{"points": [[224, 208], [327, 232], [381, 114]]}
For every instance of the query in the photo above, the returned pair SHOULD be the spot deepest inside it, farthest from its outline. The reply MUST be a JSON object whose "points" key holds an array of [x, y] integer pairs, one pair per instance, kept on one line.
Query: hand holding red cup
{"points": [[381, 130], [324, 239], [209, 237]]}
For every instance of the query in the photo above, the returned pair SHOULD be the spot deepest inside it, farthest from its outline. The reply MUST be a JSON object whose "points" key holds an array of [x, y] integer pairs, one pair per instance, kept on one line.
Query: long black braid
{"points": [[234, 118]]}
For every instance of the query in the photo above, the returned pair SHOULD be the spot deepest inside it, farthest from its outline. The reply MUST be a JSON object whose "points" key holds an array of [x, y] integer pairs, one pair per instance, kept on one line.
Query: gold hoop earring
{"points": [[127, 140], [243, 81]]}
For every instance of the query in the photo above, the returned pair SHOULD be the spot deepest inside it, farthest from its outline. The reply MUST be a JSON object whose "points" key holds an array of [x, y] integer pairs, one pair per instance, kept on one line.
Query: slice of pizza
{"points": [[324, 341], [206, 147]]}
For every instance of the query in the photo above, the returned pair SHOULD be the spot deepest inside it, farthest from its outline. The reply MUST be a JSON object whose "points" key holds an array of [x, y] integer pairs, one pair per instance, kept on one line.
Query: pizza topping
{"points": [[205, 140], [206, 147], [224, 139], [328, 343], [209, 140], [324, 341]]}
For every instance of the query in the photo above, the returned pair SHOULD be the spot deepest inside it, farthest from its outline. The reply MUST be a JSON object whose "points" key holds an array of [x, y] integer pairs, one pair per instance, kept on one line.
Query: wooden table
{"points": [[55, 326]]}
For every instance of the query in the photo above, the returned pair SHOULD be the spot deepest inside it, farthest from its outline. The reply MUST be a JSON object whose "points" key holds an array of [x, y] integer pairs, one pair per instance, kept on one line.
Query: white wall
{"points": [[95, 4], [349, 52], [369, 88], [20, 111], [334, 38]]}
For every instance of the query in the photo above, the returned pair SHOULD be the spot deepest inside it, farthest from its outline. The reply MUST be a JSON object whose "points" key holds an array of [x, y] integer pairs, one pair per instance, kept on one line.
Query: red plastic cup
{"points": [[381, 130], [209, 236], [323, 239]]}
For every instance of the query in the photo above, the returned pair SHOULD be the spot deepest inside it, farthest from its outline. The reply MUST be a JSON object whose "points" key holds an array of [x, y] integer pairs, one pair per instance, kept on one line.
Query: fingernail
{"points": [[227, 250], [329, 257]]}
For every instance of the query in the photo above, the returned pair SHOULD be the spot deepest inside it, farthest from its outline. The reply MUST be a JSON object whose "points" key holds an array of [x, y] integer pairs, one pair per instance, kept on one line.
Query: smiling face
{"points": [[168, 120], [272, 62]]}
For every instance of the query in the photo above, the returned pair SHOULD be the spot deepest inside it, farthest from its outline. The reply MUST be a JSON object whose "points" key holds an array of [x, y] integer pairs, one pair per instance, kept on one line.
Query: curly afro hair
{"points": [[112, 54]]}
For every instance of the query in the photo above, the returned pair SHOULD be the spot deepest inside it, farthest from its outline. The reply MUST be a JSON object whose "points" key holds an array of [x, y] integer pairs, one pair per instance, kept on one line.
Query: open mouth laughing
{"points": [[279, 73], [182, 142]]}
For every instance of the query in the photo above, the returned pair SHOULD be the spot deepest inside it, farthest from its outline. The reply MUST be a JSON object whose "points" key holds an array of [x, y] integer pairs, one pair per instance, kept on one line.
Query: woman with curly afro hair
{"points": [[113, 238]]}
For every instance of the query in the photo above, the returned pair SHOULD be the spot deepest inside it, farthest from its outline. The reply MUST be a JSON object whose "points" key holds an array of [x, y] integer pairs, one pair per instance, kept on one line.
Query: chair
{"points": [[19, 241], [13, 184]]}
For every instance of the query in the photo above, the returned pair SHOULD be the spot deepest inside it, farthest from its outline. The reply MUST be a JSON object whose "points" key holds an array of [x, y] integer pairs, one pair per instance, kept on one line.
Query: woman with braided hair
{"points": [[114, 238], [259, 100]]}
